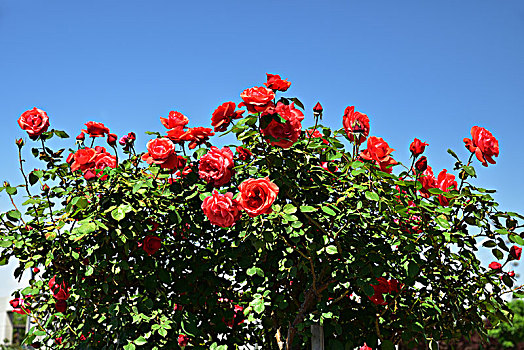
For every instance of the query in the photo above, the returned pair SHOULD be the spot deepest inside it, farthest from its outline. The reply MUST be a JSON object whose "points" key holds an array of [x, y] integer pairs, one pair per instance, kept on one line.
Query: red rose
{"points": [[221, 209], [379, 151], [274, 82], [417, 147], [151, 244], [422, 164], [483, 144], [216, 166], [318, 108], [35, 121], [284, 134], [81, 137], [515, 252], [61, 306], [257, 99], [355, 124], [36, 270], [176, 134], [161, 151], [84, 159], [257, 195], [183, 340], [495, 266], [365, 347], [95, 129], [174, 120], [381, 288], [196, 136], [19, 306], [243, 153], [427, 179], [511, 274], [104, 160], [111, 139], [61, 292], [223, 115], [444, 182]]}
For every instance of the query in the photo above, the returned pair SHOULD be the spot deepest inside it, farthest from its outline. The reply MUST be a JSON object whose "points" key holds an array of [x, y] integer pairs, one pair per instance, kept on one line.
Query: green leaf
{"points": [[372, 196], [442, 222], [61, 134], [11, 190], [331, 249], [413, 269], [5, 244], [297, 102], [129, 346], [33, 178], [307, 208], [290, 209], [453, 154], [199, 153], [255, 270], [162, 332], [497, 253], [140, 341], [118, 213], [14, 215], [89, 271], [469, 170], [328, 210]]}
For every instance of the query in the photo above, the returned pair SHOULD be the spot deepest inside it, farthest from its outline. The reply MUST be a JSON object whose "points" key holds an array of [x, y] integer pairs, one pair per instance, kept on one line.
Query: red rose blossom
{"points": [[444, 182], [515, 252], [221, 209], [243, 153], [35, 121], [161, 151], [257, 99], [495, 265], [196, 136], [151, 244], [355, 124], [95, 129], [174, 120], [111, 139], [84, 159], [283, 134], [379, 151], [428, 180], [223, 115], [274, 82], [257, 195], [216, 166], [61, 306], [365, 347], [183, 340], [483, 144], [417, 147]]}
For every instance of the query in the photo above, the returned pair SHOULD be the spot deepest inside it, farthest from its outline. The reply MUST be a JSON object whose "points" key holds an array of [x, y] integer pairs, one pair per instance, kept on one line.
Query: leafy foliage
{"points": [[339, 224]]}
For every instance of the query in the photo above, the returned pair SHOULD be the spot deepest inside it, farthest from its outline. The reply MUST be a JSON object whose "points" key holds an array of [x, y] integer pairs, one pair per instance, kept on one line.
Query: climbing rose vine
{"points": [[182, 243]]}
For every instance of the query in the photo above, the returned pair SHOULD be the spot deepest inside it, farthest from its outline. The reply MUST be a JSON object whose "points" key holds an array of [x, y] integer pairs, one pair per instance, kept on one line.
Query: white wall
{"points": [[6, 321]]}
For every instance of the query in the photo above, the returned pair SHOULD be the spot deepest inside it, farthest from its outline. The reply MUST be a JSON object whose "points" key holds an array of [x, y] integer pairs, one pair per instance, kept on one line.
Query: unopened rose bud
{"points": [[111, 139], [421, 164], [81, 137], [45, 188], [318, 108], [20, 143], [36, 270]]}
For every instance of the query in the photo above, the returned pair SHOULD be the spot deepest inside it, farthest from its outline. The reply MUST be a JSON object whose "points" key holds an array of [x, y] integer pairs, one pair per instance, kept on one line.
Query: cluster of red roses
{"points": [[60, 293], [176, 123], [21, 305], [89, 160], [514, 254], [384, 286], [256, 197]]}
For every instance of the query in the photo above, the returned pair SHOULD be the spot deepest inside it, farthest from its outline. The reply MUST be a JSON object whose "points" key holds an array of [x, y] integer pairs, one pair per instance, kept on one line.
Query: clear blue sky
{"points": [[426, 69]]}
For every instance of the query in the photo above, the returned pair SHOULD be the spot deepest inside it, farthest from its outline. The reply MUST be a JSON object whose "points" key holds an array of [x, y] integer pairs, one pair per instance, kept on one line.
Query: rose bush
{"points": [[166, 248]]}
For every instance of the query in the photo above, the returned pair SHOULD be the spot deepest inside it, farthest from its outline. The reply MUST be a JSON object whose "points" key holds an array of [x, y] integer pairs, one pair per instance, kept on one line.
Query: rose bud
{"points": [[417, 147], [183, 340], [111, 139], [81, 137], [19, 143], [318, 108], [45, 188], [421, 164], [123, 140], [515, 252], [36, 270], [511, 274]]}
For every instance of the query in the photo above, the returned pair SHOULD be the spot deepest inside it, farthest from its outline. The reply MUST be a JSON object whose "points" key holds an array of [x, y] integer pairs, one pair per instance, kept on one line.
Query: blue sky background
{"points": [[421, 69]]}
